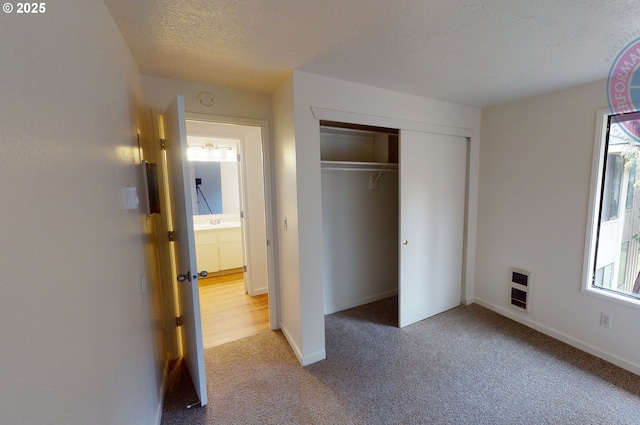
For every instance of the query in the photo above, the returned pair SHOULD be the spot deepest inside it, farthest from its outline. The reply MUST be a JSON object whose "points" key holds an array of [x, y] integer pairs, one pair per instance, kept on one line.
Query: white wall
{"points": [[159, 92], [81, 336], [230, 187], [299, 157], [287, 208], [535, 173]]}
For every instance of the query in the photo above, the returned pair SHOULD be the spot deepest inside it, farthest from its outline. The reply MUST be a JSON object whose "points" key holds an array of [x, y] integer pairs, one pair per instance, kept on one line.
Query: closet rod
{"points": [[378, 170], [358, 166]]}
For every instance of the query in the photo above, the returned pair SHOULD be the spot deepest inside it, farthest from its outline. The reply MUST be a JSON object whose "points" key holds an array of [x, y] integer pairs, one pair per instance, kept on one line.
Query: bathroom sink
{"points": [[227, 224], [223, 225]]}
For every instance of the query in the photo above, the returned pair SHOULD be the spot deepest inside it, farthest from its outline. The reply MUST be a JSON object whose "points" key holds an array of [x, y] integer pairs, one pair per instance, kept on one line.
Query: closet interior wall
{"points": [[360, 215]]}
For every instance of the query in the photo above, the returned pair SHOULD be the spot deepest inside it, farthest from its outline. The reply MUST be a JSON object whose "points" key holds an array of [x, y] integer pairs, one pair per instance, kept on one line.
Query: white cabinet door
{"points": [[184, 245], [432, 212], [231, 252], [207, 250]]}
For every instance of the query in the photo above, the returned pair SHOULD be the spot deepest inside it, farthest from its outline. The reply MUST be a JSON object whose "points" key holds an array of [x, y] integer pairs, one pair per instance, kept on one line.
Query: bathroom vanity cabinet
{"points": [[219, 248]]}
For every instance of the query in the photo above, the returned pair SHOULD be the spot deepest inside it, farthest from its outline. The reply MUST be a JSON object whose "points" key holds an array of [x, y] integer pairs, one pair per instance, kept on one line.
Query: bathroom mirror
{"points": [[213, 168]]}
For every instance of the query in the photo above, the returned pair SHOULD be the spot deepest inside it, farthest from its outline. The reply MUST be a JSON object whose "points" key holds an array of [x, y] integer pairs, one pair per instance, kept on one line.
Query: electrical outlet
{"points": [[605, 320]]}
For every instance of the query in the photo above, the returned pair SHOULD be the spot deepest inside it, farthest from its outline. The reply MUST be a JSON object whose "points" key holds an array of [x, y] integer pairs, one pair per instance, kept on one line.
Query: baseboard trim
{"points": [[359, 302], [259, 291], [316, 357], [304, 361], [162, 390], [581, 345], [291, 341]]}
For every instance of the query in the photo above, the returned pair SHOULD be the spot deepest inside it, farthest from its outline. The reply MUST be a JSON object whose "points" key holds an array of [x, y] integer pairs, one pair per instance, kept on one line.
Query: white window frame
{"points": [[595, 195]]}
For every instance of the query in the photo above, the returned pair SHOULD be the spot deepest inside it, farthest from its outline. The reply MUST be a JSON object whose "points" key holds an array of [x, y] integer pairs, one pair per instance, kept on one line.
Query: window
{"points": [[611, 187], [622, 270], [604, 276], [612, 263], [631, 185]]}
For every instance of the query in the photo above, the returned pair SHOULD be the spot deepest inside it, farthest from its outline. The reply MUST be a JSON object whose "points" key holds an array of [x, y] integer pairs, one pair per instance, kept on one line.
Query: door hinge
{"points": [[172, 236], [178, 321], [163, 145], [268, 242], [241, 214], [238, 157], [244, 269]]}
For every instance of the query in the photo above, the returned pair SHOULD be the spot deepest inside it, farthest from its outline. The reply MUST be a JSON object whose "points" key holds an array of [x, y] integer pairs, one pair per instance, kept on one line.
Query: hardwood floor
{"points": [[227, 312]]}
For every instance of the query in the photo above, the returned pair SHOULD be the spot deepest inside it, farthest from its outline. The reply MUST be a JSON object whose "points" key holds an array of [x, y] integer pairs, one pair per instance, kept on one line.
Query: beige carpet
{"points": [[465, 366]]}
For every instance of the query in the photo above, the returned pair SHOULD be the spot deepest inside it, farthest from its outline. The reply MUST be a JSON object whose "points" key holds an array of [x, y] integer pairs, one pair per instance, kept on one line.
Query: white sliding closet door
{"points": [[433, 170]]}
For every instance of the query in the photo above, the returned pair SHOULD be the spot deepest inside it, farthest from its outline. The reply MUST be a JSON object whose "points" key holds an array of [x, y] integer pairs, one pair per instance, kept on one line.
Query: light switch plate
{"points": [[131, 196]]}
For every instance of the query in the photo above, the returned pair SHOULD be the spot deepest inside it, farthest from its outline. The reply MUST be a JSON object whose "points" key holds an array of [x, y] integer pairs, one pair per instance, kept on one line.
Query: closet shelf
{"points": [[359, 166]]}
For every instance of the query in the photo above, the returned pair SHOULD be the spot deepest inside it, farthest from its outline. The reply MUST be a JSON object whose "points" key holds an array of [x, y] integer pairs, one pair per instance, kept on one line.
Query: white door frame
{"points": [[167, 274], [274, 320]]}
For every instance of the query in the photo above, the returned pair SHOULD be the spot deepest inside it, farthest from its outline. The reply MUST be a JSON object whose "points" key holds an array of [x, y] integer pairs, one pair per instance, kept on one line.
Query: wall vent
{"points": [[520, 289]]}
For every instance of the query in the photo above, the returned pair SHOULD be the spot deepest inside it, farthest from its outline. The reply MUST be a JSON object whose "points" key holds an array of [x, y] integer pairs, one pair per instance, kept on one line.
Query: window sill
{"points": [[609, 296]]}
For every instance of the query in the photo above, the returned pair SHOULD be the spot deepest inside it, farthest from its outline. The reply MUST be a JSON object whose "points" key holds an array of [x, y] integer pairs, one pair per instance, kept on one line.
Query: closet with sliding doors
{"points": [[394, 211], [359, 169]]}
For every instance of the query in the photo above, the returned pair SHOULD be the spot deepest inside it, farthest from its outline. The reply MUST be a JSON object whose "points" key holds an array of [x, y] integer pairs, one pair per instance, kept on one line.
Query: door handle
{"points": [[405, 242], [187, 276]]}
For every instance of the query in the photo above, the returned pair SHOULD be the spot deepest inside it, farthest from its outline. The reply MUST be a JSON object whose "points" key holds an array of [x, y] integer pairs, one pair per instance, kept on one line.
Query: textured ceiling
{"points": [[473, 52]]}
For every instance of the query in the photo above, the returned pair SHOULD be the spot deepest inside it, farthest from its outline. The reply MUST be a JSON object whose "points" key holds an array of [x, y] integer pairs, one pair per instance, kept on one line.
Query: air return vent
{"points": [[520, 289]]}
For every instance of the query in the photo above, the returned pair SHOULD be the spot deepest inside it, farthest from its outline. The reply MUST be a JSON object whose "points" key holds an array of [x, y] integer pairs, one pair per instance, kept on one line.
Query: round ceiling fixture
{"points": [[206, 99]]}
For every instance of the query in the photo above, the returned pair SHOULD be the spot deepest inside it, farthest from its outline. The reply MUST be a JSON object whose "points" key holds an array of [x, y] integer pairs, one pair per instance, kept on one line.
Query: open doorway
{"points": [[360, 195], [226, 171]]}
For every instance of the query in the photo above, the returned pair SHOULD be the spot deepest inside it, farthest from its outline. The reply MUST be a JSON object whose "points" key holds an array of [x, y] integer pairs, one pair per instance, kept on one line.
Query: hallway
{"points": [[227, 312]]}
